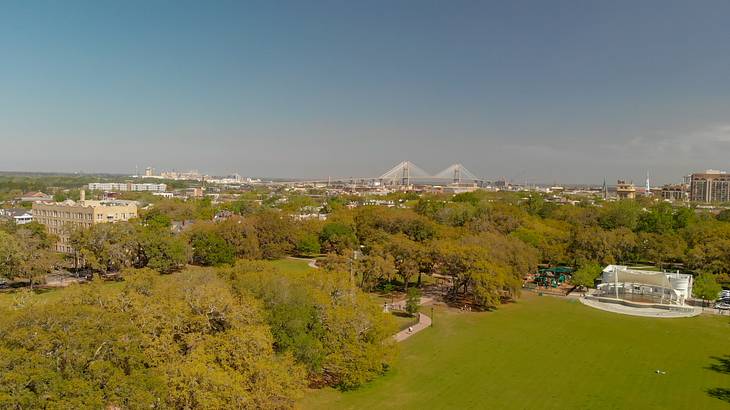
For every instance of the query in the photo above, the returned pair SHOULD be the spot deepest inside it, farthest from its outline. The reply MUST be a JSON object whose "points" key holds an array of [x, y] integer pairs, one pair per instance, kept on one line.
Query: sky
{"points": [[534, 91]]}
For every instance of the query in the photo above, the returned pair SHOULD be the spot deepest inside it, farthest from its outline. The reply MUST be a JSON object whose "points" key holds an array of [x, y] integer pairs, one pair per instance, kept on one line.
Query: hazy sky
{"points": [[567, 91]]}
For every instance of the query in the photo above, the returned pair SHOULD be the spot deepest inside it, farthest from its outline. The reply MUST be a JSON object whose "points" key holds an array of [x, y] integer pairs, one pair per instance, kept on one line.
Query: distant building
{"points": [[35, 197], [60, 217], [192, 175], [556, 189], [710, 186], [675, 192], [625, 190], [458, 188], [164, 194], [149, 171], [196, 192], [127, 187], [18, 215]]}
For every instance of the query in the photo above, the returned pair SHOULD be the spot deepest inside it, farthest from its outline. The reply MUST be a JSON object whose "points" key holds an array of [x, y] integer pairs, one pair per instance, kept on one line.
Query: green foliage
{"points": [[240, 233], [308, 244], [210, 249], [413, 300], [26, 254], [337, 237], [724, 215], [620, 214], [275, 232], [155, 218], [586, 275], [162, 251], [108, 247], [325, 322], [180, 341], [706, 287]]}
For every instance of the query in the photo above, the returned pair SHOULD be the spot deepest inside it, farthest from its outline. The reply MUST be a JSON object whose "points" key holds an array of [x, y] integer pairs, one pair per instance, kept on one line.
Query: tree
{"points": [[586, 275], [10, 255], [337, 237], [620, 214], [375, 269], [108, 247], [240, 233], [661, 248], [162, 251], [308, 244], [325, 322], [413, 301], [156, 219], [407, 255], [275, 232], [706, 287], [209, 249], [183, 341]]}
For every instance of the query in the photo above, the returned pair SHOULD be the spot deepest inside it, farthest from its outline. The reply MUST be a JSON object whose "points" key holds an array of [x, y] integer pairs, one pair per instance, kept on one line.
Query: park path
{"points": [[310, 261], [423, 320]]}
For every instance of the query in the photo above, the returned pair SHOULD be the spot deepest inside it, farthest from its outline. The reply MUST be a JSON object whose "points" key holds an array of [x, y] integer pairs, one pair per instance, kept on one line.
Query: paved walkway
{"points": [[645, 312], [423, 320]]}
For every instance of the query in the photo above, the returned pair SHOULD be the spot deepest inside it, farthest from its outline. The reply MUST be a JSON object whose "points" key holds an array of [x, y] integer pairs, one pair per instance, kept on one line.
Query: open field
{"points": [[552, 353]]}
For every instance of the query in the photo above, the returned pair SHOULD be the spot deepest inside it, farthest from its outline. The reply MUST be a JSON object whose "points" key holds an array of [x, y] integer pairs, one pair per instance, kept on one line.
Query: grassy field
{"points": [[549, 353]]}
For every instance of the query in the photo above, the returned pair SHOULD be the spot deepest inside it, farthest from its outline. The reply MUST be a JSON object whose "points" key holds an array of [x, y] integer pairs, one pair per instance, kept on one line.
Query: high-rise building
{"points": [[710, 186], [60, 218]]}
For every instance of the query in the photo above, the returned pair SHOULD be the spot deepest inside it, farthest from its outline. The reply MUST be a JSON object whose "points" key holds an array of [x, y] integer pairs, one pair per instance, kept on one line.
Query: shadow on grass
{"points": [[721, 365], [720, 393]]}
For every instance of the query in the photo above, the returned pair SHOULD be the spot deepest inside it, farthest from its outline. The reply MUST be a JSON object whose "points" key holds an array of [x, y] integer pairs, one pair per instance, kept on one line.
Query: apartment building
{"points": [[710, 186], [127, 187], [60, 218]]}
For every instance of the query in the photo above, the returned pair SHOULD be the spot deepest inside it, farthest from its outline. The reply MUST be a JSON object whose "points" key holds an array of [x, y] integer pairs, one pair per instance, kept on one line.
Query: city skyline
{"points": [[568, 91]]}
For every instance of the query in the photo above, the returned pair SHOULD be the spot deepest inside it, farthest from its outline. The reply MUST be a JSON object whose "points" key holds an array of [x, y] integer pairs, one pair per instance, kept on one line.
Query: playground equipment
{"points": [[553, 277]]}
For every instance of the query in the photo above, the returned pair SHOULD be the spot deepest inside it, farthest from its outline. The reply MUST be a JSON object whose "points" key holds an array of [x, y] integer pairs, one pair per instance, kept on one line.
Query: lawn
{"points": [[549, 353]]}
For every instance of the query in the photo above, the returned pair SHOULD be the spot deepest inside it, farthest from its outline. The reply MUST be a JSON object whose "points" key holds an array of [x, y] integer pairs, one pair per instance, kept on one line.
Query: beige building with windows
{"points": [[625, 190], [710, 186], [60, 218]]}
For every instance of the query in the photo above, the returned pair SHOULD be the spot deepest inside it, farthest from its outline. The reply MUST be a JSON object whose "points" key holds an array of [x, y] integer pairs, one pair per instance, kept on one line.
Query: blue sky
{"points": [[542, 91]]}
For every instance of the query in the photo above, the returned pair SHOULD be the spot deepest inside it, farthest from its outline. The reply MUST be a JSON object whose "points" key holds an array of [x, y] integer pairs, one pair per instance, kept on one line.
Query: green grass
{"points": [[548, 353], [290, 265]]}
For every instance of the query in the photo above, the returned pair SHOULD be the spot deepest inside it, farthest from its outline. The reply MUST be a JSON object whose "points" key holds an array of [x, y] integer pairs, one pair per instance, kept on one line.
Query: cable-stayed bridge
{"points": [[407, 173]]}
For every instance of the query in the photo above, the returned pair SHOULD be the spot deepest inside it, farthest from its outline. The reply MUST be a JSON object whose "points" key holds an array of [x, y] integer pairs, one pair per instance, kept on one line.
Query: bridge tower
{"points": [[457, 175], [406, 174]]}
